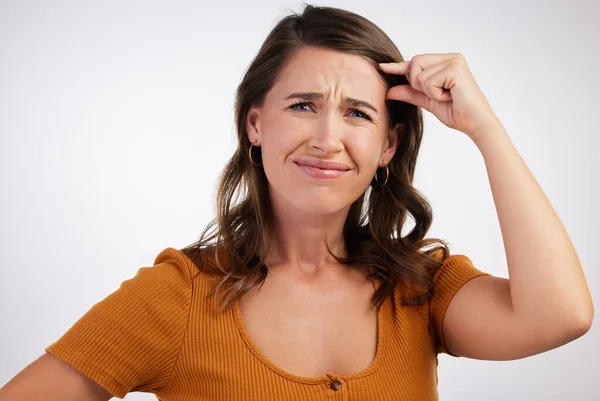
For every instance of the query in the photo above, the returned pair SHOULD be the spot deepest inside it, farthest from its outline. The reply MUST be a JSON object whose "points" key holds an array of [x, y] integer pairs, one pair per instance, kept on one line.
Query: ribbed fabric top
{"points": [[158, 333]]}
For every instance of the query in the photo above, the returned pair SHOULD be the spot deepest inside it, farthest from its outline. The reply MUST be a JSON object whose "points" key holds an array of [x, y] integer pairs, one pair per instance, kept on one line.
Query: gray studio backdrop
{"points": [[117, 116]]}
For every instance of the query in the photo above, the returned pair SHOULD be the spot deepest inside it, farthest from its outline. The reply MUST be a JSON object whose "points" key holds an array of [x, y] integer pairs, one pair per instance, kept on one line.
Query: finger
{"points": [[405, 93], [434, 82], [420, 60], [410, 68], [401, 68], [413, 76]]}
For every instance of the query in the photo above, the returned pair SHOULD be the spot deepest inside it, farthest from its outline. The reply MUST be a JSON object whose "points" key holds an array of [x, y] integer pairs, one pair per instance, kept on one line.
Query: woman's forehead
{"points": [[319, 70]]}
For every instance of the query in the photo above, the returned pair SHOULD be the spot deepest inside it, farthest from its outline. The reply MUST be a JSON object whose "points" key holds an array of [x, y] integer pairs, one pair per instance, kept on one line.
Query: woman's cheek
{"points": [[364, 151]]}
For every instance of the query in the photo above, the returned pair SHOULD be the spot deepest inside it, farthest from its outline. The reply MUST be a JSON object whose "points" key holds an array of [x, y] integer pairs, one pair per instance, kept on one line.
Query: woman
{"points": [[306, 289]]}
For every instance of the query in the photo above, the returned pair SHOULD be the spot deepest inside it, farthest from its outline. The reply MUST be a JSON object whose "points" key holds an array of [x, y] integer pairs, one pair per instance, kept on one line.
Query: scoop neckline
{"points": [[379, 353]]}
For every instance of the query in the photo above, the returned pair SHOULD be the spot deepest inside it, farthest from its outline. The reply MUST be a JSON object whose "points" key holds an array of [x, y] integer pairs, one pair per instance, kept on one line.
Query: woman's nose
{"points": [[328, 133]]}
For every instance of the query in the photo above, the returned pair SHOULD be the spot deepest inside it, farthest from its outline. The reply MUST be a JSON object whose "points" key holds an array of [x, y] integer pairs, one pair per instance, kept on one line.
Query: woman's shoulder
{"points": [[195, 263], [177, 258], [194, 260], [130, 340]]}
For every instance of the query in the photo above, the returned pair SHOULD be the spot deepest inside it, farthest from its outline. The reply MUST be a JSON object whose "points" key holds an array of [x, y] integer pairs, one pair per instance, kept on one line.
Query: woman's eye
{"points": [[295, 106], [361, 114]]}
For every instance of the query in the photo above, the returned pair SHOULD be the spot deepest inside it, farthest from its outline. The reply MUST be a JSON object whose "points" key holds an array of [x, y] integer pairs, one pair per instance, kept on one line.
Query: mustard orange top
{"points": [[158, 333]]}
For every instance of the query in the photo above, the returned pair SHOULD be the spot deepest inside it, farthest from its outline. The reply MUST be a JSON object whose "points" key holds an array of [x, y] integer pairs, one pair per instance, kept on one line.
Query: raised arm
{"points": [[546, 302]]}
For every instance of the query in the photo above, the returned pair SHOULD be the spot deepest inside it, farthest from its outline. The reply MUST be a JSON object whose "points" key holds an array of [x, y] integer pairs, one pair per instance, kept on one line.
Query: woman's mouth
{"points": [[316, 172]]}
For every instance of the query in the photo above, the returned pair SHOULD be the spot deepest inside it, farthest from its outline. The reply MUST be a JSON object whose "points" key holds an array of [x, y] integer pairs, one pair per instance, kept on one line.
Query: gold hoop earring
{"points": [[250, 156], [387, 175]]}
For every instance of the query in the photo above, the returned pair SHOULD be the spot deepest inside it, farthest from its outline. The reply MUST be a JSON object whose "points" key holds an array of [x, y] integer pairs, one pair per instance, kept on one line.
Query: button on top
{"points": [[336, 385]]}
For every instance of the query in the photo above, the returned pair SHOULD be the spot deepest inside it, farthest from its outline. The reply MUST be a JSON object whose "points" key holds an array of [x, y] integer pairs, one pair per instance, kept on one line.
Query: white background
{"points": [[117, 116]]}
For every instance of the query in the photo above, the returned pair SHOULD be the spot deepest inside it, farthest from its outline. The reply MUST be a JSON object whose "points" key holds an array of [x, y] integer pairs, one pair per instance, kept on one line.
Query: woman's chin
{"points": [[324, 207]]}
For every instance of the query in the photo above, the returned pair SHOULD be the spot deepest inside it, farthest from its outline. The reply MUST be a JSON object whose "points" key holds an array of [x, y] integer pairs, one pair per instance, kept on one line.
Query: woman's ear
{"points": [[253, 125], [394, 137]]}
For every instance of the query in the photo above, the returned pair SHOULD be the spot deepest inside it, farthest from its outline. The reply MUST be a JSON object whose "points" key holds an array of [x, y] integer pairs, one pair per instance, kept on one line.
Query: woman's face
{"points": [[324, 106]]}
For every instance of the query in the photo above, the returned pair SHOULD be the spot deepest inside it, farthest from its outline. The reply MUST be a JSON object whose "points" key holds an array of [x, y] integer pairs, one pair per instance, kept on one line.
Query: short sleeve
{"points": [[130, 340], [455, 272]]}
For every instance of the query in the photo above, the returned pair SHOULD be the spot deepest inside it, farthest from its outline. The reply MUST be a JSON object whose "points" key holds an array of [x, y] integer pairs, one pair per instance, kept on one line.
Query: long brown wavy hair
{"points": [[240, 234]]}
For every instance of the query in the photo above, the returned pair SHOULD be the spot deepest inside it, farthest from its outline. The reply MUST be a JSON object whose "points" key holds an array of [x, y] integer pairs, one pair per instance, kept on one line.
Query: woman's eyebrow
{"points": [[310, 96]]}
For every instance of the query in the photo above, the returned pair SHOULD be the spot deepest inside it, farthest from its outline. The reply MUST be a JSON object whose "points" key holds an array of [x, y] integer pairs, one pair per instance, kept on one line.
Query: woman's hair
{"points": [[241, 231]]}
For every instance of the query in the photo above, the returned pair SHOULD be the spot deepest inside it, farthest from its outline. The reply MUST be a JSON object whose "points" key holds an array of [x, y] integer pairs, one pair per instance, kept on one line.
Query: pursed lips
{"points": [[321, 164], [321, 169]]}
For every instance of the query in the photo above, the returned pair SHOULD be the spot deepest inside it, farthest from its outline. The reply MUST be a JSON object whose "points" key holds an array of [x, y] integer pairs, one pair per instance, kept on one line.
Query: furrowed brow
{"points": [[310, 96]]}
